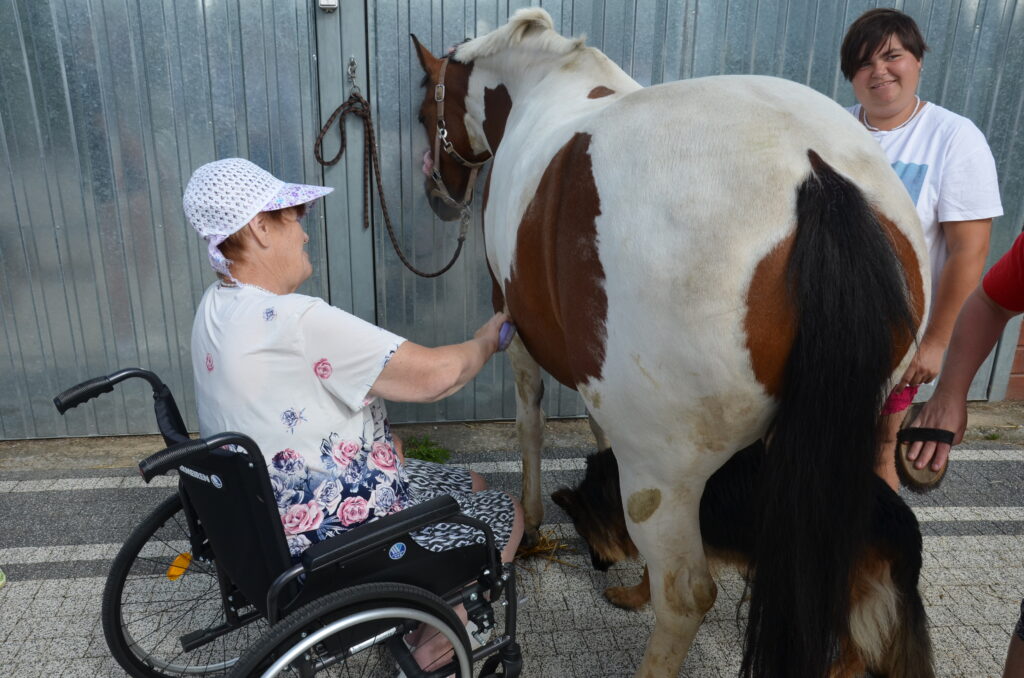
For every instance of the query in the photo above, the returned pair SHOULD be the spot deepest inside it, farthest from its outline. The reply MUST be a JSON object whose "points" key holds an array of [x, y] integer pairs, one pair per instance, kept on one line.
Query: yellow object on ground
{"points": [[179, 566]]}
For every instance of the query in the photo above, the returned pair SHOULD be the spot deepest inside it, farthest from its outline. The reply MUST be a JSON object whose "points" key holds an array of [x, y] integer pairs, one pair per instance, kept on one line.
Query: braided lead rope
{"points": [[360, 107]]}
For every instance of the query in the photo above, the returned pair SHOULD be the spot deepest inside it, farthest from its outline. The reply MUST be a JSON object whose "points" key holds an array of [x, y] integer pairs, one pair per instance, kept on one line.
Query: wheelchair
{"points": [[206, 586]]}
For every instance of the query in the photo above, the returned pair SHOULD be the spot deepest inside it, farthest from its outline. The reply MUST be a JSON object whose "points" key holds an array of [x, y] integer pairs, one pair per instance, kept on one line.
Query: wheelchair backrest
{"points": [[233, 500]]}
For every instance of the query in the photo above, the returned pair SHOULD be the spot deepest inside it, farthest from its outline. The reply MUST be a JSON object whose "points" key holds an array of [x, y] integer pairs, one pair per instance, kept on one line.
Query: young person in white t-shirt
{"points": [[945, 163]]}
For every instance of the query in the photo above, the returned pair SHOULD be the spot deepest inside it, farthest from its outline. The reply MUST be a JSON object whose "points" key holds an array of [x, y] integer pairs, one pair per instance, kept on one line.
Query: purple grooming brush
{"points": [[505, 334]]}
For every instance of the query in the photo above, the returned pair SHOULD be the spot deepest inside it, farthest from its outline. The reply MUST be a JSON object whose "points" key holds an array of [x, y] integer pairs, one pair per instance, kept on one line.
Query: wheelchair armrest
{"points": [[364, 538], [174, 456]]}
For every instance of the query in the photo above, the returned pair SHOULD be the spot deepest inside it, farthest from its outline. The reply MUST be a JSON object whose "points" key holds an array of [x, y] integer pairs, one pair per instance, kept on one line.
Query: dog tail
{"points": [[853, 322], [909, 651]]}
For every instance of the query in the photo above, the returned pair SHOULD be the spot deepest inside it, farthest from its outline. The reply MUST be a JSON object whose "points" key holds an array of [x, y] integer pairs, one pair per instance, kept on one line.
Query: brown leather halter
{"points": [[441, 141]]}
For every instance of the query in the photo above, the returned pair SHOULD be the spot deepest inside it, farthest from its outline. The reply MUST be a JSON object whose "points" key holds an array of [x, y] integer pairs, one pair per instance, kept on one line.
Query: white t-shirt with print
{"points": [[947, 167], [294, 373]]}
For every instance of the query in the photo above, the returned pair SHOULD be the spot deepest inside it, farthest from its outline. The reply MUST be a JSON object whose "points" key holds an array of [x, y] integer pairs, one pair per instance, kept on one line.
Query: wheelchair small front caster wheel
{"points": [[509, 660]]}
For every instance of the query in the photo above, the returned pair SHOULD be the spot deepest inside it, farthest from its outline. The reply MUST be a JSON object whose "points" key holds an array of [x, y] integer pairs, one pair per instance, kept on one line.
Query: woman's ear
{"points": [[259, 228]]}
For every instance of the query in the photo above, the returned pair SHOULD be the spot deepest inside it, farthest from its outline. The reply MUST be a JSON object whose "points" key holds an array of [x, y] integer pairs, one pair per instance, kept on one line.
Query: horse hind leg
{"points": [[682, 592], [530, 432], [664, 524]]}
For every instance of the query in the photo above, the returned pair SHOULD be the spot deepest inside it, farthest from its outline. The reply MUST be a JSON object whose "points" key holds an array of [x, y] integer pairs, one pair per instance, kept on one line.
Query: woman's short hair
{"points": [[233, 247], [871, 31]]}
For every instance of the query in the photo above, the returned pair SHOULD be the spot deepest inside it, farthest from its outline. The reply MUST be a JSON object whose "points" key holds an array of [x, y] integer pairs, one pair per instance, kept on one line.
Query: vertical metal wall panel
{"points": [[105, 109], [106, 106]]}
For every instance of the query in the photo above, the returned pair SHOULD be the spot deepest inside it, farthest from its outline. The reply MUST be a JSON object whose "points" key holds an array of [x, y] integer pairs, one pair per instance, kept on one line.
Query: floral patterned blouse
{"points": [[294, 373]]}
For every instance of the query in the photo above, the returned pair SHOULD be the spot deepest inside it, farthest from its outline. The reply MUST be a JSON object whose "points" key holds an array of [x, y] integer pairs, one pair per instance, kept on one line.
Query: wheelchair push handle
{"points": [[89, 389], [176, 455], [78, 394]]}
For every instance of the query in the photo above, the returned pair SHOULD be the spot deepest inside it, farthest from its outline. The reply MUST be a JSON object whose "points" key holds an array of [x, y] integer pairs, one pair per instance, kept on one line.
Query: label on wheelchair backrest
{"points": [[397, 551], [213, 480]]}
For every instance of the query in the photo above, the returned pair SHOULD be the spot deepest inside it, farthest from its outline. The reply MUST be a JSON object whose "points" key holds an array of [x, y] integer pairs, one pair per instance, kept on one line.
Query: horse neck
{"points": [[547, 89]]}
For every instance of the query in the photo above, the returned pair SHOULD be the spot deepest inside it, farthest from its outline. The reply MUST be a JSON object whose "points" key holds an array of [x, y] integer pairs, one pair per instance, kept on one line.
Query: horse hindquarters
{"points": [[853, 322]]}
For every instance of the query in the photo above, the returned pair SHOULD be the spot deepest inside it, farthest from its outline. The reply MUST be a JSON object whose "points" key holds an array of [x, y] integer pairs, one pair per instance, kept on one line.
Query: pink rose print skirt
{"points": [[494, 507]]}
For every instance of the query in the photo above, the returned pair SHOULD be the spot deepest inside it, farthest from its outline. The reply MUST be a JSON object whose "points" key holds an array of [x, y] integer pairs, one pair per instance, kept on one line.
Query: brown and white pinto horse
{"points": [[708, 262]]}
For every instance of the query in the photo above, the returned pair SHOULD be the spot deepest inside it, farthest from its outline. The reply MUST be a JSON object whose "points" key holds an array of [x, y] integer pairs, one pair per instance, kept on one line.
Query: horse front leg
{"points": [[530, 431], [663, 521]]}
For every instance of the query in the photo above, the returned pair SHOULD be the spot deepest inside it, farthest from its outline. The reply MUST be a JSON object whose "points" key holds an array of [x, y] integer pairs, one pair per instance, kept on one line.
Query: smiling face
{"points": [[885, 83]]}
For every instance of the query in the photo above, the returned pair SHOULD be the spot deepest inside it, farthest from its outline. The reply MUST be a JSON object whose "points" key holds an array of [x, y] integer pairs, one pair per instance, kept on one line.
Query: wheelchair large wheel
{"points": [[361, 631], [156, 593]]}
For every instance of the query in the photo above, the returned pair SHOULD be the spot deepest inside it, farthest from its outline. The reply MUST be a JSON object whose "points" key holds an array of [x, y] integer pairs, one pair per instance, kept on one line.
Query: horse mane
{"points": [[529, 22]]}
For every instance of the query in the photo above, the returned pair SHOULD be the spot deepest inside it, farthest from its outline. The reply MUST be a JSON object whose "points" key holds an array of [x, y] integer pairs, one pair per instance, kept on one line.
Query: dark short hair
{"points": [[871, 31]]}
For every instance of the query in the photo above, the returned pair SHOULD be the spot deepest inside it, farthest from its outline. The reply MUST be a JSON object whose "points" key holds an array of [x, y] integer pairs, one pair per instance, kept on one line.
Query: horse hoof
{"points": [[531, 537]]}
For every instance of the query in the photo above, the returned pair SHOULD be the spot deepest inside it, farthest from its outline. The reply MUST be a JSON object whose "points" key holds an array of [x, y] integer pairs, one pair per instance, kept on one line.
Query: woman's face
{"points": [[289, 246], [886, 82]]}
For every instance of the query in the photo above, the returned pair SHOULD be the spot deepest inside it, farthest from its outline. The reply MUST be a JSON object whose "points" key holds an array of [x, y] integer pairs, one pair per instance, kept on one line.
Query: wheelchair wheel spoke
{"points": [[146, 613]]}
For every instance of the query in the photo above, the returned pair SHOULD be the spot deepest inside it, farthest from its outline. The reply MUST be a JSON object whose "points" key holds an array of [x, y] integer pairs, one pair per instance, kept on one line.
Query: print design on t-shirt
{"points": [[912, 175]]}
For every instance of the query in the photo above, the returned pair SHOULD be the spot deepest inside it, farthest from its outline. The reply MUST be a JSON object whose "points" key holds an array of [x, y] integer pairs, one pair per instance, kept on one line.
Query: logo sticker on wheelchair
{"points": [[216, 481], [397, 551]]}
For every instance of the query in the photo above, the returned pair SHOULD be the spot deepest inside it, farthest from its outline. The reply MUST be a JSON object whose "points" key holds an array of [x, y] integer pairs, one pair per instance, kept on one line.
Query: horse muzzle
{"points": [[438, 205]]}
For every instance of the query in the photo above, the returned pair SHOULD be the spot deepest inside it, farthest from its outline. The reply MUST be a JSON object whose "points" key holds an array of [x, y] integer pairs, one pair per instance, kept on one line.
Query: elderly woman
{"points": [[306, 380], [947, 167]]}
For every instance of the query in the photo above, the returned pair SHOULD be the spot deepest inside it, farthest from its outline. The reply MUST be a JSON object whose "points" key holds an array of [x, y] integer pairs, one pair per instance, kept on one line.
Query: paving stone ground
{"points": [[56, 544]]}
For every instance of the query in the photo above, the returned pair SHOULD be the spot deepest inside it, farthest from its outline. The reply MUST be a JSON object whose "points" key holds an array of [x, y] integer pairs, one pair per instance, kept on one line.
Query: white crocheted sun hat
{"points": [[224, 195]]}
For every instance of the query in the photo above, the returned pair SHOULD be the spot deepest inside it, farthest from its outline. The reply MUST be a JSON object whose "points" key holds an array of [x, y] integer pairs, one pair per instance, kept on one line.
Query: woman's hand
{"points": [[948, 413], [489, 332], [925, 364]]}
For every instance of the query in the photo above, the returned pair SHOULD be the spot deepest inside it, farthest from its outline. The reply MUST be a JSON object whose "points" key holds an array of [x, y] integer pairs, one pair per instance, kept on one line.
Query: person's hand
{"points": [[399, 448], [489, 332], [925, 364], [942, 412]]}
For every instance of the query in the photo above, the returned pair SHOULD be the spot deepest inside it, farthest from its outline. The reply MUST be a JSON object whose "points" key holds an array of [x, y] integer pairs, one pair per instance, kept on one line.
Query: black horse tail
{"points": [[853, 321]]}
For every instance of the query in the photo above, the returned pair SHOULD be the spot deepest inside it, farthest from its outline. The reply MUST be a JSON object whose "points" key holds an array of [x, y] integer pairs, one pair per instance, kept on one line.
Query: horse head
{"points": [[457, 149], [467, 101]]}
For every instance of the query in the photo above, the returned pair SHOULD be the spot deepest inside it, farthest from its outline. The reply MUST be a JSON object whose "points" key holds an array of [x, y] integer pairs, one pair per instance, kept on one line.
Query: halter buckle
{"points": [[439, 92]]}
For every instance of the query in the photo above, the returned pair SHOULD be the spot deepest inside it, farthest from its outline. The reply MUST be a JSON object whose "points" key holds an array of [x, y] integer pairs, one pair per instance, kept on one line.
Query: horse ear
{"points": [[427, 60]]}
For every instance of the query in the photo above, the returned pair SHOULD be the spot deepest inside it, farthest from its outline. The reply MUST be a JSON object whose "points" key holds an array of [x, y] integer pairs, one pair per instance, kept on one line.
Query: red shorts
{"points": [[899, 400]]}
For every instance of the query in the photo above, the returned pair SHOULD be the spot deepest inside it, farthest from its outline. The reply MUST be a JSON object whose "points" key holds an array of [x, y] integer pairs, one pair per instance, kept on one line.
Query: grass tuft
{"points": [[426, 449]]}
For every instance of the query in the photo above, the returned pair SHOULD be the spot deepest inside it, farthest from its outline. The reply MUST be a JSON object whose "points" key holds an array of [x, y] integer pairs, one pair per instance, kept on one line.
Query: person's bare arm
{"points": [[977, 330], [968, 246], [419, 374]]}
